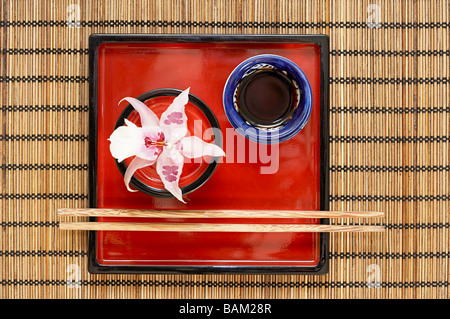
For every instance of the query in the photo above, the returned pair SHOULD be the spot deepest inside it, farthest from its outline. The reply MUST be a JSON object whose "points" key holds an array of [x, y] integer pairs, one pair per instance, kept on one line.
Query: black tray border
{"points": [[95, 40]]}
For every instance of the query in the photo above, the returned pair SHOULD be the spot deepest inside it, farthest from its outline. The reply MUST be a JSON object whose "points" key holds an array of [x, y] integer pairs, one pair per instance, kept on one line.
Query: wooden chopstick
{"points": [[212, 227], [206, 227], [98, 212]]}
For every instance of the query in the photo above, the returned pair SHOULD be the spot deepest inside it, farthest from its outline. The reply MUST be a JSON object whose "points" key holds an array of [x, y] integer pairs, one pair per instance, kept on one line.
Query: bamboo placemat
{"points": [[389, 150]]}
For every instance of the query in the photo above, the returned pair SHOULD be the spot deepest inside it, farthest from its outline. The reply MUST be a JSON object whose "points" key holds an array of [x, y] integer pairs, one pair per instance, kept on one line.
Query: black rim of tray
{"points": [[322, 41]]}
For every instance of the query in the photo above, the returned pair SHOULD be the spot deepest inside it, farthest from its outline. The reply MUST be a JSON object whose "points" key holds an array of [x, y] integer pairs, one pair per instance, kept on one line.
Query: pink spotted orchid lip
{"points": [[159, 141]]}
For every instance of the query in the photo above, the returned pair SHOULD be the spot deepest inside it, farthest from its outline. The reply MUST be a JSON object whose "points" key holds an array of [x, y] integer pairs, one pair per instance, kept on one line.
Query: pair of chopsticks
{"points": [[213, 227]]}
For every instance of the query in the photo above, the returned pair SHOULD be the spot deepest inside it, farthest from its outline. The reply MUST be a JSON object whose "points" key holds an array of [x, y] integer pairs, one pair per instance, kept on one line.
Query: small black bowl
{"points": [[159, 192]]}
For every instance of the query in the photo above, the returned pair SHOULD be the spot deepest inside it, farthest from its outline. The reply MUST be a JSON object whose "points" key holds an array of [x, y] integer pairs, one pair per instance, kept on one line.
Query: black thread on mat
{"points": [[389, 139], [389, 198], [364, 80], [45, 137], [25, 51], [45, 78], [225, 24], [389, 53], [210, 284], [42, 253], [390, 25], [417, 226], [389, 169], [24, 167], [26, 224], [389, 110], [165, 23], [397, 255], [403, 226], [37, 196], [46, 108]]}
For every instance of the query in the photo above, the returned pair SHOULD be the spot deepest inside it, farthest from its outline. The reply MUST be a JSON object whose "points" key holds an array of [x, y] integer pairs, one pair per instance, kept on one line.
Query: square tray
{"points": [[130, 65]]}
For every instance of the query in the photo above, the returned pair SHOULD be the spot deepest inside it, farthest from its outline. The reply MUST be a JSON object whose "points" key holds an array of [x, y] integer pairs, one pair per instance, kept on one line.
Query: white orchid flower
{"points": [[161, 141]]}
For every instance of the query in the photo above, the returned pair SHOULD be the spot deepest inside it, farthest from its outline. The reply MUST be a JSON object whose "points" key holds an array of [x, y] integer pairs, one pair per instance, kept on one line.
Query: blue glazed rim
{"points": [[299, 117]]}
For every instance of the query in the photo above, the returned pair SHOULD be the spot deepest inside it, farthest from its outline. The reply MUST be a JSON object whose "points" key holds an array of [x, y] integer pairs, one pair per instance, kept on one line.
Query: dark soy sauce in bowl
{"points": [[266, 97]]}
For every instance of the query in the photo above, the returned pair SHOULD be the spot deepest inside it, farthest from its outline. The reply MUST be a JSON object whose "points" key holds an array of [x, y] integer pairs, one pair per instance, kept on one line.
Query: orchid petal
{"points": [[193, 147], [174, 120], [126, 141], [150, 136], [131, 140], [147, 116], [169, 167], [135, 164], [130, 124]]}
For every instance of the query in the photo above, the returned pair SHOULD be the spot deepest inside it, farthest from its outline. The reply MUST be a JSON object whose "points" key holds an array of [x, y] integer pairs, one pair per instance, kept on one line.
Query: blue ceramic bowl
{"points": [[301, 111]]}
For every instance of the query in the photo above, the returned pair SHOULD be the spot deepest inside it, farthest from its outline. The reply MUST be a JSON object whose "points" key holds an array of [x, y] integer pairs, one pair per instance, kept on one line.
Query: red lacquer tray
{"points": [[130, 65]]}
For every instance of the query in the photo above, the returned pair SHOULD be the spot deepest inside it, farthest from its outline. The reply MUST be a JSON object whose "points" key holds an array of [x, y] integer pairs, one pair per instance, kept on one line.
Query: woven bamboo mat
{"points": [[389, 122]]}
